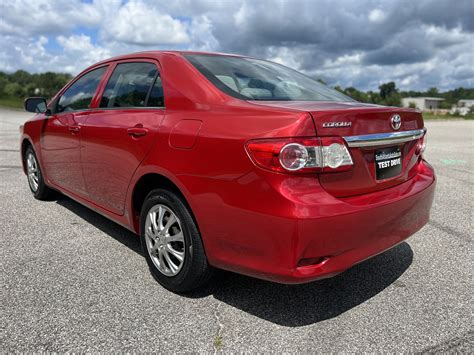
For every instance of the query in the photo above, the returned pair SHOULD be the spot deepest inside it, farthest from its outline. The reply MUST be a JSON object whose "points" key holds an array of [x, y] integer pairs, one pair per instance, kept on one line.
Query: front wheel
{"points": [[35, 177], [171, 242]]}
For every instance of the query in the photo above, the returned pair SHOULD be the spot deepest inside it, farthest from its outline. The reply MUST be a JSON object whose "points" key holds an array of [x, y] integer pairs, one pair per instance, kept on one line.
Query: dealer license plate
{"points": [[388, 163]]}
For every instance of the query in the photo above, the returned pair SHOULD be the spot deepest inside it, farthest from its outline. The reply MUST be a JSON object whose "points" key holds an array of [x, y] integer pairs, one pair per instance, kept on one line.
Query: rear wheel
{"points": [[171, 242], [35, 177]]}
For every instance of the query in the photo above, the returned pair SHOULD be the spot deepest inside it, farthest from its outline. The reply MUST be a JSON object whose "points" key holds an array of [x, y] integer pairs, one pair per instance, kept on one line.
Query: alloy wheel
{"points": [[165, 240], [33, 172]]}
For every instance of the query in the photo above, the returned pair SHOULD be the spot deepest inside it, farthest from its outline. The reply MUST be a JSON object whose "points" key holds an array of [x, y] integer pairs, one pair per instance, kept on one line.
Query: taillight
{"points": [[421, 144], [293, 156], [301, 155]]}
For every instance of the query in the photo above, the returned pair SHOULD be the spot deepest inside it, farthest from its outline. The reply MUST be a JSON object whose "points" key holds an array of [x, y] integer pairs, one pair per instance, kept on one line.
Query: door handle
{"points": [[74, 129], [137, 131]]}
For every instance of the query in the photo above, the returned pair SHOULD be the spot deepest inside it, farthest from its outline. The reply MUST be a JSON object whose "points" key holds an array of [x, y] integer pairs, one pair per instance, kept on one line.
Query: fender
{"points": [[32, 130], [27, 137], [148, 168]]}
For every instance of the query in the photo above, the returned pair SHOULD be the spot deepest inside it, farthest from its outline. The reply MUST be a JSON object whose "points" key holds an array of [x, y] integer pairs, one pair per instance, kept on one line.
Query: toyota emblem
{"points": [[396, 122]]}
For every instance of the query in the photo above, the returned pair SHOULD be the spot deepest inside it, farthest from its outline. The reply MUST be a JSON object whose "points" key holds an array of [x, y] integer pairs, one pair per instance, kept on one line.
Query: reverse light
{"points": [[336, 155], [301, 155], [423, 143]]}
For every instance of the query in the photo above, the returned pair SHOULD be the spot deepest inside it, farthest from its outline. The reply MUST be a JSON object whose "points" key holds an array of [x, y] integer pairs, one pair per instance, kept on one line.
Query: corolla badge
{"points": [[396, 122], [336, 124]]}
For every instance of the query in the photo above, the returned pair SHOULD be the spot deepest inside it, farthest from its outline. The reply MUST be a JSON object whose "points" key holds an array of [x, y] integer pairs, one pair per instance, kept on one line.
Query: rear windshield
{"points": [[253, 79]]}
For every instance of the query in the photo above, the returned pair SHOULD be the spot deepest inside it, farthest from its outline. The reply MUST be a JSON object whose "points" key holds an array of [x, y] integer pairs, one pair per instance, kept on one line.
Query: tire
{"points": [[173, 250], [35, 177]]}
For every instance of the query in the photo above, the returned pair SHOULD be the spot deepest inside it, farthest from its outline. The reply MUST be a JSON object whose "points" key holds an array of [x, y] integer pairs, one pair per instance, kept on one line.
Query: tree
{"points": [[3, 84], [389, 94], [432, 92], [356, 94], [21, 77], [387, 89], [49, 83], [14, 90]]}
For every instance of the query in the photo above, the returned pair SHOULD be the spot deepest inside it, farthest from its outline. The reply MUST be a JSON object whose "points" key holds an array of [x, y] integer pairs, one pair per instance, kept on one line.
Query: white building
{"points": [[422, 103], [462, 108], [465, 103]]}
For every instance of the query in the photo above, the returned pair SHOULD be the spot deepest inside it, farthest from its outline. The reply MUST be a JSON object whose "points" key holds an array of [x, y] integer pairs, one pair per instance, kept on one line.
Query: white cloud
{"points": [[42, 17], [285, 55], [138, 23], [361, 44], [81, 53], [377, 16], [344, 60], [201, 35]]}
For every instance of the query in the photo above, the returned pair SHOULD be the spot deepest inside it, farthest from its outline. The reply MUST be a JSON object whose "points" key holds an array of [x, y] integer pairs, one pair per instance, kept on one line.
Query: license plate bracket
{"points": [[388, 163]]}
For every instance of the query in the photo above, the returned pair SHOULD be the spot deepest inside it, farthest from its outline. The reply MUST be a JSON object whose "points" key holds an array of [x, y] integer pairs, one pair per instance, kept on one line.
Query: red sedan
{"points": [[231, 162]]}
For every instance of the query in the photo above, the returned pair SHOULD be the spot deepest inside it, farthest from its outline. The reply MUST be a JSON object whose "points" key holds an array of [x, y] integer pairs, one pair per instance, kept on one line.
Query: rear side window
{"points": [[129, 85], [156, 98], [79, 95]]}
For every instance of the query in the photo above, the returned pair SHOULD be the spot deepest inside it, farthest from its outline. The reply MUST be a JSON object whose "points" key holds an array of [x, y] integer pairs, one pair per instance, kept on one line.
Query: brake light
{"points": [[301, 155], [294, 156], [421, 144]]}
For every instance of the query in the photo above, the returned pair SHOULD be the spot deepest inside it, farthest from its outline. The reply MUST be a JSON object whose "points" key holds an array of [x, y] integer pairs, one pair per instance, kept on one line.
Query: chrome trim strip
{"points": [[95, 109], [375, 140]]}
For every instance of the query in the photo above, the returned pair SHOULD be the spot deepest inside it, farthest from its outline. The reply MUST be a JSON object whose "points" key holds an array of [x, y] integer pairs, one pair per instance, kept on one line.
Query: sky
{"points": [[361, 43]]}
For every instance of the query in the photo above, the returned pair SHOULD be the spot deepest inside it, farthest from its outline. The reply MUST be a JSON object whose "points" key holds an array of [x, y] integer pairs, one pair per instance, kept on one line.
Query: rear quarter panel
{"points": [[219, 181]]}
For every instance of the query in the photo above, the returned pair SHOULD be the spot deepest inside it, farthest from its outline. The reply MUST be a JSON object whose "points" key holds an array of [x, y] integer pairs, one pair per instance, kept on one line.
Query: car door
{"points": [[61, 134], [119, 133]]}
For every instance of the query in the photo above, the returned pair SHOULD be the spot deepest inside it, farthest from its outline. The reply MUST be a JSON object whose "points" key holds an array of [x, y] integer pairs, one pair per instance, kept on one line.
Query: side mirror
{"points": [[36, 105]]}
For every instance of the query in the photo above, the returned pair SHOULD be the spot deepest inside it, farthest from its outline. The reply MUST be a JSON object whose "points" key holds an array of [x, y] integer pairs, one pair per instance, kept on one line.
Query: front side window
{"points": [[79, 95], [254, 79], [129, 85]]}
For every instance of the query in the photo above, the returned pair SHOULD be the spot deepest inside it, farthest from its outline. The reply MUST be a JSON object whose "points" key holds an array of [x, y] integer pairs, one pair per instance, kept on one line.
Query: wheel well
{"points": [[148, 183], [24, 146]]}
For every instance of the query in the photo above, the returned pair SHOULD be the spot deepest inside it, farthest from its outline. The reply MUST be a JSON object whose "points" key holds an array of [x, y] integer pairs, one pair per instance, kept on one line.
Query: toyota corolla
{"points": [[231, 162]]}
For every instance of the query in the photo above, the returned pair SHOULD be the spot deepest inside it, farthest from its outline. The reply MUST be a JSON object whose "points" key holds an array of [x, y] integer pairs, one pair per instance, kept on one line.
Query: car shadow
{"points": [[300, 305], [286, 305], [112, 229]]}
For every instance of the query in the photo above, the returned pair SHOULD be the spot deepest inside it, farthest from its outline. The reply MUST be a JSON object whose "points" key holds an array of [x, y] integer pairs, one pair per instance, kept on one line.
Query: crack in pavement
{"points": [[450, 231], [455, 178], [460, 170], [460, 344], [219, 330], [10, 167]]}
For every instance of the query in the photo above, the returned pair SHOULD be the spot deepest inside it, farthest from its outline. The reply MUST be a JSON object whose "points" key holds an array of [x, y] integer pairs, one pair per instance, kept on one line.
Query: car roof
{"points": [[159, 53]]}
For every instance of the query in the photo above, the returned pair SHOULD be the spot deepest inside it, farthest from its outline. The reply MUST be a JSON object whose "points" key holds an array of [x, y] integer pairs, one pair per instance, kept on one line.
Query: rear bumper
{"points": [[343, 240], [347, 239], [311, 235]]}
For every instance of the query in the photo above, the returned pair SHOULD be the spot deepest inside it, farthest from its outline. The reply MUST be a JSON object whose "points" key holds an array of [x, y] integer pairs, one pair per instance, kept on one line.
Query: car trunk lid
{"points": [[382, 155]]}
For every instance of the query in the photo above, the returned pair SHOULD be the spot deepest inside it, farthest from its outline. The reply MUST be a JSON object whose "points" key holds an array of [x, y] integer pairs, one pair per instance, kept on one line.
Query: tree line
{"points": [[21, 84], [390, 95]]}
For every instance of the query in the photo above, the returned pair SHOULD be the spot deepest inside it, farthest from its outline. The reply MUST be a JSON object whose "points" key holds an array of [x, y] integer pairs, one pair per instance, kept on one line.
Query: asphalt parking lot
{"points": [[73, 281]]}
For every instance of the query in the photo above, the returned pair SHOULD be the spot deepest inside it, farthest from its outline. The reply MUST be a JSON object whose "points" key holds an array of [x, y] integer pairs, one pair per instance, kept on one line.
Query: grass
{"points": [[11, 102], [433, 116], [218, 342]]}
